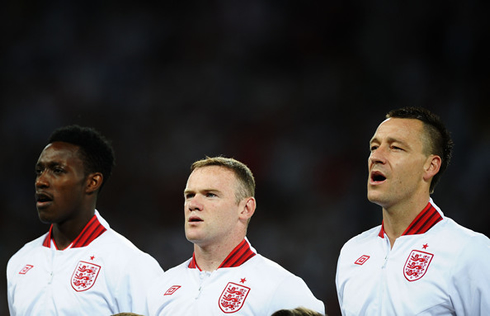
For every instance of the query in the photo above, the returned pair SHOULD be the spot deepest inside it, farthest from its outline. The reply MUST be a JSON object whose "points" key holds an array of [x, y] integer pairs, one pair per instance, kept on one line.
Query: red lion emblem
{"points": [[417, 264], [233, 297], [84, 276]]}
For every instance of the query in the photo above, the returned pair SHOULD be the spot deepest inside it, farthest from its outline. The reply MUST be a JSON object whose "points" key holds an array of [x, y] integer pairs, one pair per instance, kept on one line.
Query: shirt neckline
{"points": [[90, 232], [238, 256], [424, 221]]}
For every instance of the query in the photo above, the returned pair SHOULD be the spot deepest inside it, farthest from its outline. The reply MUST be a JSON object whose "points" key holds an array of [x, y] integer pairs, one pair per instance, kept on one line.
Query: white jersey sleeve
{"points": [[293, 292], [135, 278], [470, 284]]}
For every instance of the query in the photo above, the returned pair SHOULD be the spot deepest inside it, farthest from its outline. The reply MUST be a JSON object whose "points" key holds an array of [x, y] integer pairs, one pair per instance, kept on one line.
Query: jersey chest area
{"points": [[412, 277], [224, 291], [49, 280]]}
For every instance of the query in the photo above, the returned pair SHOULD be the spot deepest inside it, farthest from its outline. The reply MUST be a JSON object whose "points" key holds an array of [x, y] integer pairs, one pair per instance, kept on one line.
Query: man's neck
{"points": [[65, 233], [209, 258], [397, 218]]}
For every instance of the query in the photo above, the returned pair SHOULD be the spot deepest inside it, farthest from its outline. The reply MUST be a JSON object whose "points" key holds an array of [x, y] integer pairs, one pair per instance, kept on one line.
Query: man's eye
{"points": [[210, 194], [373, 148], [58, 170], [39, 171]]}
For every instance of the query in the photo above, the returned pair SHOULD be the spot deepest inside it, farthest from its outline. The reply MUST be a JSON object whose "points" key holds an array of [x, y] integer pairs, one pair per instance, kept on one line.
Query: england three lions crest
{"points": [[84, 276], [233, 297], [417, 264]]}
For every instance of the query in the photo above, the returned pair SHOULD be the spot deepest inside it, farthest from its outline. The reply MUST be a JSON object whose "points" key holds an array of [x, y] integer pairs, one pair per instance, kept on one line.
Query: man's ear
{"points": [[248, 209], [432, 167], [94, 181]]}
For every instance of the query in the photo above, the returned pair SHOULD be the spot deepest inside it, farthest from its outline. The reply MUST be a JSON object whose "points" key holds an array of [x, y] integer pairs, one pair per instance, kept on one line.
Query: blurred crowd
{"points": [[295, 90]]}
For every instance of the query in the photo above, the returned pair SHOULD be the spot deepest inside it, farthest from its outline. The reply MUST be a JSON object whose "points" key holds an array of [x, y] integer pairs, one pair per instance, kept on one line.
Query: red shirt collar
{"points": [[90, 232], [421, 224], [238, 256]]}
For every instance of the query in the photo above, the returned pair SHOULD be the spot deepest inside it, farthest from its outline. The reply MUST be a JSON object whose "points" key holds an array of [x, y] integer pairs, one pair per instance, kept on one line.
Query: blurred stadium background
{"points": [[293, 89]]}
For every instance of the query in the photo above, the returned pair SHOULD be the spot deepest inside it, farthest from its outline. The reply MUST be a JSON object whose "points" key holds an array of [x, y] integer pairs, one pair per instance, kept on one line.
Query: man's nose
{"points": [[377, 156], [41, 180], [194, 204]]}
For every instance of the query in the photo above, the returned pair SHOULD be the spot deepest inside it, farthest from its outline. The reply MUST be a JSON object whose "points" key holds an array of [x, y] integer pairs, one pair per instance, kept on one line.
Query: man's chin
{"points": [[376, 199], [44, 218]]}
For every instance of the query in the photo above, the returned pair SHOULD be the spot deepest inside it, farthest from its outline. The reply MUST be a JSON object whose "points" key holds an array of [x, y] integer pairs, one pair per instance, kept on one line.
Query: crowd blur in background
{"points": [[294, 89]]}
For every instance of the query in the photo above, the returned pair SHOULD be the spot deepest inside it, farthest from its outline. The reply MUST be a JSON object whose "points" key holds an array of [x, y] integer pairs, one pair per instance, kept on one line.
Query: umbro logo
{"points": [[172, 289], [26, 269], [362, 259]]}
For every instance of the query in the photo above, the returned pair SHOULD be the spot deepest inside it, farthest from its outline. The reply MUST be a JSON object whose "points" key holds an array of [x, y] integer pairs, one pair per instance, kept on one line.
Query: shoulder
{"points": [[363, 238], [282, 287], [29, 250], [176, 270], [459, 234], [271, 271], [463, 239], [112, 238], [117, 242], [175, 273], [116, 247], [34, 245]]}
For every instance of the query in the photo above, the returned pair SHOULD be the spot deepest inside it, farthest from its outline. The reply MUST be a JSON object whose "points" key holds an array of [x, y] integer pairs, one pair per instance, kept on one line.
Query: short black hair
{"points": [[96, 151], [439, 137]]}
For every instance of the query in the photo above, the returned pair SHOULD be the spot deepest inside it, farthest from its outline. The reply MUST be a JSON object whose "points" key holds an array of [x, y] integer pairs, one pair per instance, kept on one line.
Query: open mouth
{"points": [[43, 199], [377, 176]]}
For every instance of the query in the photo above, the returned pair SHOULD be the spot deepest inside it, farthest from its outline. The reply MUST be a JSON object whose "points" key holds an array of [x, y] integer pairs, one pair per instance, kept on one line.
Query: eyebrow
{"points": [[49, 164], [187, 191], [390, 140]]}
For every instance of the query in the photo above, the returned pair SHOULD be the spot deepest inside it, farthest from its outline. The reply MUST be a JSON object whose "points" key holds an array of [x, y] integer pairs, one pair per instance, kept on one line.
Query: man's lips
{"points": [[376, 177], [43, 199], [194, 219]]}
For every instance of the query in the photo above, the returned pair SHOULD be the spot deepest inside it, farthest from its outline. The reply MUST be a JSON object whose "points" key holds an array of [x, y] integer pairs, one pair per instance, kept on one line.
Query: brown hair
{"points": [[246, 181]]}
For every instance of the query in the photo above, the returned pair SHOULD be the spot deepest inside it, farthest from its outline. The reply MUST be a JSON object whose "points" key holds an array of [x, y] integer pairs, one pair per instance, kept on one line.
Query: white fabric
{"points": [[455, 282], [266, 286], [50, 288]]}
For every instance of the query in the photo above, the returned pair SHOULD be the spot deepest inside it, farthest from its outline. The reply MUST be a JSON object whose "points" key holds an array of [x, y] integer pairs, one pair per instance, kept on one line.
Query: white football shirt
{"points": [[436, 267], [246, 283], [100, 273]]}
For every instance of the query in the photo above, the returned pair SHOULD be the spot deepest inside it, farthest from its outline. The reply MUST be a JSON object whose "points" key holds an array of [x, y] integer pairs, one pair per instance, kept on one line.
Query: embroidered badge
{"points": [[233, 297], [26, 269], [84, 276], [362, 259], [417, 264], [172, 289]]}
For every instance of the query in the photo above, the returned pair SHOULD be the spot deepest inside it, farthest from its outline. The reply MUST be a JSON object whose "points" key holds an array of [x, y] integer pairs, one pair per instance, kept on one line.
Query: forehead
{"points": [[60, 152], [402, 129], [216, 177]]}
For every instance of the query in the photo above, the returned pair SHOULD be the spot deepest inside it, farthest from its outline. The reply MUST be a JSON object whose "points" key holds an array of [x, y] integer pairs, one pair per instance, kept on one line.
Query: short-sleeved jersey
{"points": [[246, 283], [100, 273], [436, 267]]}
